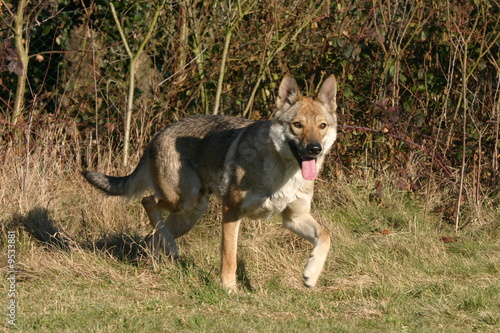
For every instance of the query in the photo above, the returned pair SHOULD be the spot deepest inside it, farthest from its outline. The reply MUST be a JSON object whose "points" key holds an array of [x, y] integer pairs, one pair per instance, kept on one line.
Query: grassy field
{"points": [[81, 264]]}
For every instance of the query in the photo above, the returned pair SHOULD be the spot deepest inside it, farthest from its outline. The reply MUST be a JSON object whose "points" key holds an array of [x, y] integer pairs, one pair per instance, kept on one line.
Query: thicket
{"points": [[419, 82]]}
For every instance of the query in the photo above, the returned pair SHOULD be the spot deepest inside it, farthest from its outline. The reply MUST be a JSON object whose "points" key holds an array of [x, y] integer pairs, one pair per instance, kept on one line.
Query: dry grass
{"points": [[83, 267]]}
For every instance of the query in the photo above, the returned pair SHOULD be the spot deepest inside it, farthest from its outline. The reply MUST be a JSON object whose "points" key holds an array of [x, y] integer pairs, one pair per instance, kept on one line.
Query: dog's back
{"points": [[198, 142]]}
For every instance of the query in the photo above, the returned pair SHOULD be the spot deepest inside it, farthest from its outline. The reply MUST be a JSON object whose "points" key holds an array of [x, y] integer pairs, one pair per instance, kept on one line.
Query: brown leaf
{"points": [[16, 67], [377, 196], [109, 126], [402, 172], [448, 239], [401, 184]]}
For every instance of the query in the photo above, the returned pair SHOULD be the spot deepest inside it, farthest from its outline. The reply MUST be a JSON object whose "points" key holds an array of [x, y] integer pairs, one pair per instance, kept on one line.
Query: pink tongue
{"points": [[309, 169]]}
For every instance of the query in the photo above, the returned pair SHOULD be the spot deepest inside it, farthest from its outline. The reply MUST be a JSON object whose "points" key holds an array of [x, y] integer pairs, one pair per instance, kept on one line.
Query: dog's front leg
{"points": [[298, 219], [230, 228]]}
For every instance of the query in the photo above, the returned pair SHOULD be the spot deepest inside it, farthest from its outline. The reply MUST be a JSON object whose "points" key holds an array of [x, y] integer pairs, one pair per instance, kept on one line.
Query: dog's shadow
{"points": [[39, 225], [124, 247]]}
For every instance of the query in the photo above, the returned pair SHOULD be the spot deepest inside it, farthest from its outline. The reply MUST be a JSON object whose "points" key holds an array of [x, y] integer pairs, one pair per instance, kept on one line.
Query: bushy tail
{"points": [[129, 186]]}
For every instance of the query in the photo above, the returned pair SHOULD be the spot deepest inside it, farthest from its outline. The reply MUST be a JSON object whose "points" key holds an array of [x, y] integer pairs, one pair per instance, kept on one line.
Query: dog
{"points": [[257, 168]]}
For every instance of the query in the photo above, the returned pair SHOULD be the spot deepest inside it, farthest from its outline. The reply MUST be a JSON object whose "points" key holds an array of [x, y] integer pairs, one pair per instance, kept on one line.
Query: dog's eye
{"points": [[297, 124], [322, 126]]}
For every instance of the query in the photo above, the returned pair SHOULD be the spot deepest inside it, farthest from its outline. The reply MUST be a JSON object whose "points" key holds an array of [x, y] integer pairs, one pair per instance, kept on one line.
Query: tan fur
{"points": [[258, 169]]}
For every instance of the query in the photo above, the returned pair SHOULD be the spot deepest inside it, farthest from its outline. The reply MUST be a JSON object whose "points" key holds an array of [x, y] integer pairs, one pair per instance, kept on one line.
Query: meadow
{"points": [[410, 193], [82, 265]]}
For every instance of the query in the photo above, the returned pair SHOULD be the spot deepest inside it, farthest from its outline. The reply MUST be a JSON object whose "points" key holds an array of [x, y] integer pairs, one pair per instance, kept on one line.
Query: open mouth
{"points": [[307, 164]]}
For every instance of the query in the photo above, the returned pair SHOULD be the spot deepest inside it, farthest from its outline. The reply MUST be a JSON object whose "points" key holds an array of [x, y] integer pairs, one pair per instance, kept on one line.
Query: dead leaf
{"points": [[16, 67], [401, 184], [377, 196]]}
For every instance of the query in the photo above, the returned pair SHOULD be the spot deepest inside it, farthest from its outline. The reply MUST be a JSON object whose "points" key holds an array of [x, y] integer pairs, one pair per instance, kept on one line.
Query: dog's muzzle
{"points": [[306, 157]]}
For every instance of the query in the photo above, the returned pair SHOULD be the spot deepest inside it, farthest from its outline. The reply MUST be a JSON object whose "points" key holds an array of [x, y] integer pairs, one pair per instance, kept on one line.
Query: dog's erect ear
{"points": [[288, 93], [328, 94]]}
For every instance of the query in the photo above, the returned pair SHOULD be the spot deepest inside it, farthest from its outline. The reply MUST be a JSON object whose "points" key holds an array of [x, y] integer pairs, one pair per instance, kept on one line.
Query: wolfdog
{"points": [[257, 168]]}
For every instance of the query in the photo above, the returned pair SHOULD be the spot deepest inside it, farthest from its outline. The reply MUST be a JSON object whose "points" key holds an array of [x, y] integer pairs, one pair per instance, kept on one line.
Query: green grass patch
{"points": [[388, 270]]}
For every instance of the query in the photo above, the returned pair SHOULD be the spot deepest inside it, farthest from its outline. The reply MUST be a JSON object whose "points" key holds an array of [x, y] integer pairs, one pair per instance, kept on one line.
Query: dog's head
{"points": [[305, 127]]}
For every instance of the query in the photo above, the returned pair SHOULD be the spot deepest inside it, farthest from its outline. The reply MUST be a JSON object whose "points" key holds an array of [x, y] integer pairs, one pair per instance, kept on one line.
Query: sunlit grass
{"points": [[83, 266]]}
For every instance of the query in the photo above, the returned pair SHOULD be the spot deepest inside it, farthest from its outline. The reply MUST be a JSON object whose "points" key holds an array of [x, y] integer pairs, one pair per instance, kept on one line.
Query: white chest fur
{"points": [[261, 205]]}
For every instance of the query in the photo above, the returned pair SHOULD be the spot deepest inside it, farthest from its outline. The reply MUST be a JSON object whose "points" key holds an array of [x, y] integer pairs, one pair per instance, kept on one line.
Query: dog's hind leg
{"points": [[179, 224], [162, 240], [297, 218]]}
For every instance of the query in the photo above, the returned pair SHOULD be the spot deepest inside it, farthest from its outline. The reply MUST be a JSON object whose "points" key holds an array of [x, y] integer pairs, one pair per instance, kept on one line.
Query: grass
{"points": [[82, 265]]}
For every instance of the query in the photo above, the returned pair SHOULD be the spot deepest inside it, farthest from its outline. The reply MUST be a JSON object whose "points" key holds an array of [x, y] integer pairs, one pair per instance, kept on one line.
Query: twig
{"points": [[222, 70], [22, 46], [227, 42], [132, 63], [183, 68]]}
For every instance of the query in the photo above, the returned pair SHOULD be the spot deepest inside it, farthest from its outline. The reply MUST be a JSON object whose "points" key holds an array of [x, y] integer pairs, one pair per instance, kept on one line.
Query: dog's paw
{"points": [[310, 280], [230, 288], [311, 273], [158, 245]]}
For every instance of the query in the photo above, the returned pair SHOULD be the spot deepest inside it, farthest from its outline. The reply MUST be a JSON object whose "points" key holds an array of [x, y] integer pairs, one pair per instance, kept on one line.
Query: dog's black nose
{"points": [[314, 149]]}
